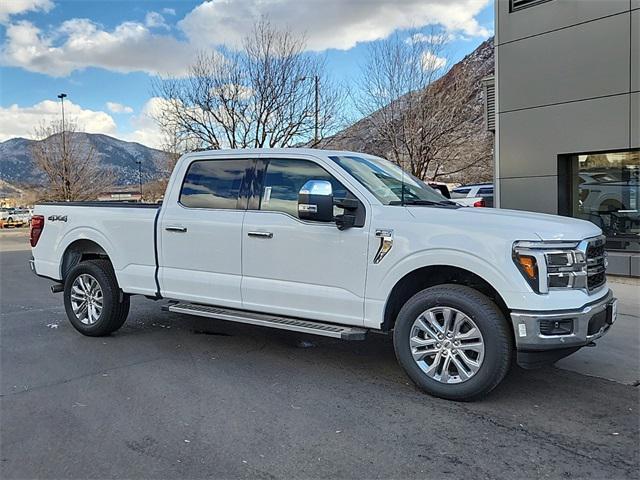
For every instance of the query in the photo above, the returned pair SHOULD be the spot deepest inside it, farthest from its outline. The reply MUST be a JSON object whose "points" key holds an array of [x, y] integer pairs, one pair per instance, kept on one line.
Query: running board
{"points": [[266, 320]]}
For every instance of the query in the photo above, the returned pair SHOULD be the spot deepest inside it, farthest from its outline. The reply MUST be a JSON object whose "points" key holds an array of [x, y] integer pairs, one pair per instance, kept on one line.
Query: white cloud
{"points": [[15, 7], [434, 38], [146, 130], [330, 23], [118, 107], [155, 20], [16, 121], [81, 43], [432, 62]]}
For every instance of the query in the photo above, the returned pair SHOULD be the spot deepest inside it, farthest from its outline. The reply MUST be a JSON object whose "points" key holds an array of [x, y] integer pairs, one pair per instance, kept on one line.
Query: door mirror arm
{"points": [[346, 203], [345, 221]]}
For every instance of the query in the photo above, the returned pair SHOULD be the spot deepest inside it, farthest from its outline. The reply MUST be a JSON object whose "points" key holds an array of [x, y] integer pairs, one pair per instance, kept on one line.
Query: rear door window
{"points": [[215, 184]]}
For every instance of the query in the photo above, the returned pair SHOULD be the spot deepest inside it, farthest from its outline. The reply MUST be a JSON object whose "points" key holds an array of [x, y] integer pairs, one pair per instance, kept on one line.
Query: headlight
{"points": [[551, 265]]}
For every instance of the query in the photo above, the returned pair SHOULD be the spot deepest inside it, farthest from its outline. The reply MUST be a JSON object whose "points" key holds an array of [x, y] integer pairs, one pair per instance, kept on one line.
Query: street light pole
{"points": [[65, 172], [316, 80], [139, 162]]}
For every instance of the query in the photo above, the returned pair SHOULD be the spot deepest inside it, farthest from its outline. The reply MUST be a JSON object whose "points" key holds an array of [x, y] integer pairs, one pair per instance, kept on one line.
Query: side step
{"points": [[266, 320]]}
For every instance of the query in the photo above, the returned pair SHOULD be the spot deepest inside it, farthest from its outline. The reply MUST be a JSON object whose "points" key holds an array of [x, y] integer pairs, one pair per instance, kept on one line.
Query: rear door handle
{"points": [[176, 228], [260, 234]]}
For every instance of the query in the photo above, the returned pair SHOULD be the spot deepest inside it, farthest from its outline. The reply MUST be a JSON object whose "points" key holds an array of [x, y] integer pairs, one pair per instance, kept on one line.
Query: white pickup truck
{"points": [[337, 244]]}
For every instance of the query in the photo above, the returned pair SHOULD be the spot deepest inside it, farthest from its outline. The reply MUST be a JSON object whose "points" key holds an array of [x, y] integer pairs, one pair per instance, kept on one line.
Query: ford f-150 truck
{"points": [[338, 244]]}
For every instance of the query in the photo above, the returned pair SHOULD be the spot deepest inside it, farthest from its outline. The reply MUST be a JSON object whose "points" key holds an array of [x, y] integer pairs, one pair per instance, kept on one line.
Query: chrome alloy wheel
{"points": [[446, 344], [86, 299]]}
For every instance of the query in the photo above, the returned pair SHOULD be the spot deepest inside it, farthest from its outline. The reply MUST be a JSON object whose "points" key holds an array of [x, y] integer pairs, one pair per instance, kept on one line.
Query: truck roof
{"points": [[278, 151]]}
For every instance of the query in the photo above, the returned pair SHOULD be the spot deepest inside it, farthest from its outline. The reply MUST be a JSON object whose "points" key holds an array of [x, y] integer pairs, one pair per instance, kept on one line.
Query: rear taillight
{"points": [[37, 224], [480, 203]]}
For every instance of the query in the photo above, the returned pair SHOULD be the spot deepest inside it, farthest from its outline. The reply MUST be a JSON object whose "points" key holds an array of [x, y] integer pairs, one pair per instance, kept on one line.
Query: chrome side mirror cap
{"points": [[315, 201]]}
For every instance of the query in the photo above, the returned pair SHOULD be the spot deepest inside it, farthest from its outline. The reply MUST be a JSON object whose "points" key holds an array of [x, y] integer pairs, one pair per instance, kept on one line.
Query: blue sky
{"points": [[104, 54]]}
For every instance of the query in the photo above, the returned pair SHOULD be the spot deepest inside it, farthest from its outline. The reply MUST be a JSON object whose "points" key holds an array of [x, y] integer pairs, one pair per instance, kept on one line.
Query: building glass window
{"points": [[604, 189]]}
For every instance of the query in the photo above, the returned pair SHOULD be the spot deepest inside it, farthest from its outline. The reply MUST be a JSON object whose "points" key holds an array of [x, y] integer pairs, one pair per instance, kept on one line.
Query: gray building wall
{"points": [[567, 81]]}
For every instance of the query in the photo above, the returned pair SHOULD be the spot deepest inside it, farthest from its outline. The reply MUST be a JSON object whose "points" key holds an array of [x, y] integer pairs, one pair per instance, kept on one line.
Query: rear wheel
{"points": [[92, 299], [453, 342]]}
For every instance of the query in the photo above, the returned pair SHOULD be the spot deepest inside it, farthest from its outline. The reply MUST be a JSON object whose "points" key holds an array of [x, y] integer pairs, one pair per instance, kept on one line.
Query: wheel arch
{"points": [[432, 275], [79, 251]]}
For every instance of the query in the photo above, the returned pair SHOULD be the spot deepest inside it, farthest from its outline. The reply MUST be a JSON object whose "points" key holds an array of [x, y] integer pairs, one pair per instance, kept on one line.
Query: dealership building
{"points": [[567, 115]]}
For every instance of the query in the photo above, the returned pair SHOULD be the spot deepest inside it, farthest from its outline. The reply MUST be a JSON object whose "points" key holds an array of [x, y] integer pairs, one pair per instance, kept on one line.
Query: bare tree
{"points": [[69, 163], [270, 93], [174, 145], [423, 122]]}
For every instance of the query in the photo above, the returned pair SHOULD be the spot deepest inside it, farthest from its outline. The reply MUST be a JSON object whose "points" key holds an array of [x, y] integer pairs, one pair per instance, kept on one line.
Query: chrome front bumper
{"points": [[588, 324]]}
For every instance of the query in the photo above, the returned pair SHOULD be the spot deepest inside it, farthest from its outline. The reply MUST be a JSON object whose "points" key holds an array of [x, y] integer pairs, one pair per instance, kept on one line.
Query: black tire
{"points": [[496, 334], [115, 306]]}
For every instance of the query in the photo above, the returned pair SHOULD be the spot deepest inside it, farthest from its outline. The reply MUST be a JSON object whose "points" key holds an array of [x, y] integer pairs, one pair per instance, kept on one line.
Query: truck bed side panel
{"points": [[125, 234]]}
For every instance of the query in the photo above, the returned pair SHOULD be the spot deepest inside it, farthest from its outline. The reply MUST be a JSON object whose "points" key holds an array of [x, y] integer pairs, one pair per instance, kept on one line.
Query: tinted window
{"points": [[213, 183], [485, 191], [461, 190], [283, 180]]}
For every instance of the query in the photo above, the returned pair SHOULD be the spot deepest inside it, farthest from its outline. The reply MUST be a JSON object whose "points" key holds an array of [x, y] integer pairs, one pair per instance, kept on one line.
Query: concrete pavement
{"points": [[616, 356], [171, 396]]}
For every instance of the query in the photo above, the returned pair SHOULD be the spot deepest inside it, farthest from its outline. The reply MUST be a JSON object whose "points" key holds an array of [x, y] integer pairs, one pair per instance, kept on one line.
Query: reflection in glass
{"points": [[607, 193], [213, 183]]}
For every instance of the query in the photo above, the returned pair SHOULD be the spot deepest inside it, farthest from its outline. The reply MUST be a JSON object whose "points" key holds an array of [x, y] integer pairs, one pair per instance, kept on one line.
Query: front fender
{"points": [[501, 274], [493, 274]]}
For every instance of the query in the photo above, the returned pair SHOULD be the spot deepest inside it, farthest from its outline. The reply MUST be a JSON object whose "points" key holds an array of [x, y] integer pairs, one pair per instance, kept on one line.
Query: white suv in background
{"points": [[476, 195]]}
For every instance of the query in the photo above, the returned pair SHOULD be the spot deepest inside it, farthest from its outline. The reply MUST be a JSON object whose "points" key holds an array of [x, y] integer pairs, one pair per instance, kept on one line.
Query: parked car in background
{"points": [[474, 195], [21, 215], [15, 215], [441, 188]]}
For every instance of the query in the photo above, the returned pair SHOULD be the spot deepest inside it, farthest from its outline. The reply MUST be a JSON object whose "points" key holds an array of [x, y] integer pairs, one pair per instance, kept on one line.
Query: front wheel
{"points": [[453, 342], [92, 299]]}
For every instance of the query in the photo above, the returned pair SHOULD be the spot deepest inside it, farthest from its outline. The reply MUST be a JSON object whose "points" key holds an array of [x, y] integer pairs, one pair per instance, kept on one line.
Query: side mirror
{"points": [[315, 201]]}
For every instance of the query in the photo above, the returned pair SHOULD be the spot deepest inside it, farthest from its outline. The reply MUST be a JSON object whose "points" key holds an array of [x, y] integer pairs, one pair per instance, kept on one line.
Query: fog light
{"points": [[556, 327]]}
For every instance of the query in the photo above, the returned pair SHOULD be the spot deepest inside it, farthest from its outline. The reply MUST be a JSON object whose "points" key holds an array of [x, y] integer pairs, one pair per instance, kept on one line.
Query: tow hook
{"points": [[57, 288], [590, 344]]}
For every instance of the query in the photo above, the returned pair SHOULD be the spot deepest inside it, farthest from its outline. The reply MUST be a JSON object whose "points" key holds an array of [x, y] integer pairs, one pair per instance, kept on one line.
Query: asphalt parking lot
{"points": [[171, 396]]}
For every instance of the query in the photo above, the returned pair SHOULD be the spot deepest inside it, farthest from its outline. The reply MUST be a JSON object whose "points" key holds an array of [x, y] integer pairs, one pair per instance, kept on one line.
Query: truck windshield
{"points": [[386, 181]]}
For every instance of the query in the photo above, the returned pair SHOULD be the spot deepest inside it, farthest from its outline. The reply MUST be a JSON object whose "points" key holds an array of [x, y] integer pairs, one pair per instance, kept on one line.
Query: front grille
{"points": [[596, 263]]}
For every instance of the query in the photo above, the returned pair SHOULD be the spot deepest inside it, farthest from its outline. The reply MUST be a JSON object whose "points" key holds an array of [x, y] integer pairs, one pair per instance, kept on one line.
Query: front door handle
{"points": [[176, 228], [260, 234]]}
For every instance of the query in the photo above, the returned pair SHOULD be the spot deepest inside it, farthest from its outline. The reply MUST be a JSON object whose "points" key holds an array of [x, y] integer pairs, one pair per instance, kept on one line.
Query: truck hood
{"points": [[515, 223]]}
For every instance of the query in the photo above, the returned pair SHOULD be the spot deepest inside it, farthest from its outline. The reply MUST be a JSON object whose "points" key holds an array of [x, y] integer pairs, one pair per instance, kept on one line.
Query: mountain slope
{"points": [[361, 137], [17, 165]]}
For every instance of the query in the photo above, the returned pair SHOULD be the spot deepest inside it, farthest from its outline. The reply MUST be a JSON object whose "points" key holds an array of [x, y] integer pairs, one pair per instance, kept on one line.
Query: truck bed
{"points": [[126, 232]]}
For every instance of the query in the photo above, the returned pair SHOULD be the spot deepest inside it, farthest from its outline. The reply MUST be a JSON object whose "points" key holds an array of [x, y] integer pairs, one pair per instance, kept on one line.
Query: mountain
{"points": [[479, 64], [17, 165], [8, 191]]}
